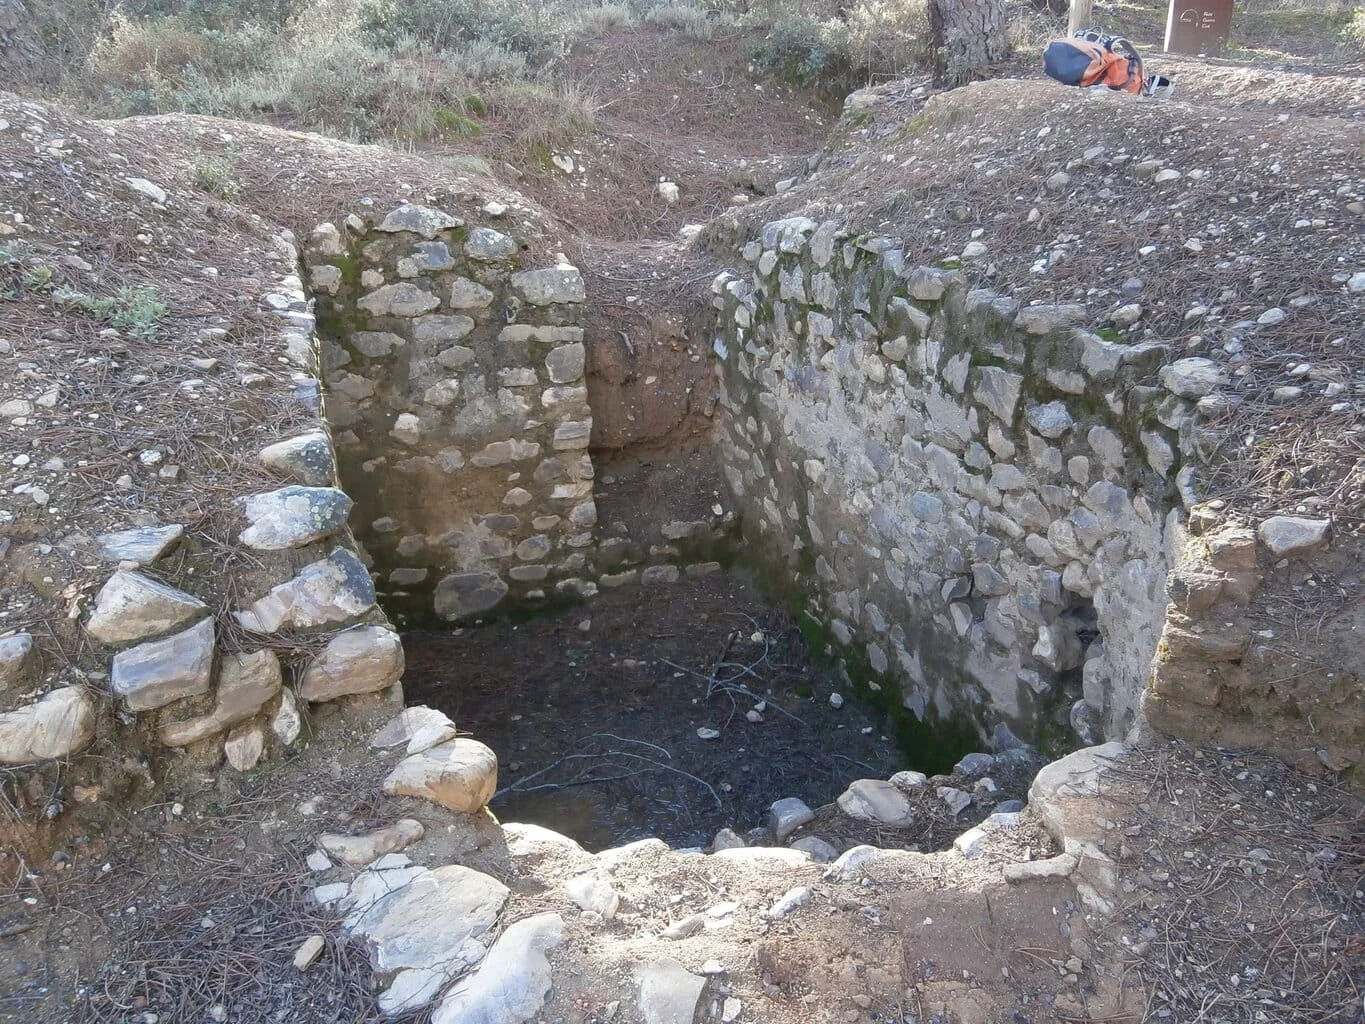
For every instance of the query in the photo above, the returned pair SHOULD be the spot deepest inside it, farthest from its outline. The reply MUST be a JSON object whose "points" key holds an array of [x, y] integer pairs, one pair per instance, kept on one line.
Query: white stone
{"points": [[407, 429], [956, 800], [461, 775], [551, 285], [817, 849], [425, 925], [362, 659], [588, 892], [307, 458], [1059, 866], [876, 800], [131, 606], [1193, 377], [293, 516], [150, 189], [1072, 778], [58, 724], [20, 663], [143, 546], [787, 815], [245, 683], [155, 674], [1293, 535], [426, 221], [244, 746], [513, 982], [333, 589], [1126, 315], [667, 994], [308, 952], [358, 851], [414, 724], [286, 723], [788, 903]]}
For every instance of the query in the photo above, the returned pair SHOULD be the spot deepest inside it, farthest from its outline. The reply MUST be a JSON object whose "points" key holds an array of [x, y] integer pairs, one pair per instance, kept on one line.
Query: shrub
{"points": [[484, 61], [544, 117], [596, 20], [135, 311], [217, 14], [143, 66], [808, 52], [446, 24], [214, 175], [1353, 32], [696, 22]]}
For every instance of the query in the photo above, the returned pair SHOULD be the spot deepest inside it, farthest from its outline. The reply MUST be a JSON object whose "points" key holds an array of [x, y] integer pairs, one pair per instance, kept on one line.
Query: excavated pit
{"points": [[594, 713], [845, 557]]}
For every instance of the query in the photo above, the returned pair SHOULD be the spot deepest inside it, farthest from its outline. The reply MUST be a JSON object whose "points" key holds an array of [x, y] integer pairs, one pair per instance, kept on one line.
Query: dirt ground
{"points": [[594, 713]]}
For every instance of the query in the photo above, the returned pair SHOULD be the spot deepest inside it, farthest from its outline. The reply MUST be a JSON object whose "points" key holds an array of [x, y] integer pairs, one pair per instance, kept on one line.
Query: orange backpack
{"points": [[1089, 59]]}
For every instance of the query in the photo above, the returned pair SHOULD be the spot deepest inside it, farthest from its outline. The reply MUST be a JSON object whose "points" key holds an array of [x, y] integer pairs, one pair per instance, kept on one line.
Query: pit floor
{"points": [[594, 711]]}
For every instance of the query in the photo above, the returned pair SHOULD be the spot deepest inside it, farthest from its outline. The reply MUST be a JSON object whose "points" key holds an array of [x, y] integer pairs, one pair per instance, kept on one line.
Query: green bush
{"points": [[135, 311], [217, 14], [141, 67], [808, 53], [696, 22], [519, 26], [1353, 32]]}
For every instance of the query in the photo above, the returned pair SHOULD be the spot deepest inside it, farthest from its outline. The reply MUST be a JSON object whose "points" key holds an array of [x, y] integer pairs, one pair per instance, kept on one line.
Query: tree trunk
{"points": [[967, 36], [1082, 15]]}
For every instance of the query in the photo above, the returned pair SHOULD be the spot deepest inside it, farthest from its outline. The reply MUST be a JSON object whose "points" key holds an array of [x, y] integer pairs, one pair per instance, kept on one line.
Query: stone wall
{"points": [[1264, 644], [455, 389], [192, 676], [978, 499]]}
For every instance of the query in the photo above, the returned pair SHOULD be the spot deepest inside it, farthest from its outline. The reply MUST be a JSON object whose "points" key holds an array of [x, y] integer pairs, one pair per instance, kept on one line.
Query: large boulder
{"points": [[1067, 793], [428, 930]]}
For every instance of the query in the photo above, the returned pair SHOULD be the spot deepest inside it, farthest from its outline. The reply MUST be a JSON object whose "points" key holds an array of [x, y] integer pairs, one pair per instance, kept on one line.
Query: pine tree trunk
{"points": [[1082, 15], [967, 37]]}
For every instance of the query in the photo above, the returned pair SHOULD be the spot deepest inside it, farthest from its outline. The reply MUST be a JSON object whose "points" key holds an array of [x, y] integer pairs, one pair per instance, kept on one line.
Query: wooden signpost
{"points": [[1198, 27]]}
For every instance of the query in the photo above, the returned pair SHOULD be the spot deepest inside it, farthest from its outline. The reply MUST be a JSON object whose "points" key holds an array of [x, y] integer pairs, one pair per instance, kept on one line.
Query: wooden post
{"points": [[1082, 13]]}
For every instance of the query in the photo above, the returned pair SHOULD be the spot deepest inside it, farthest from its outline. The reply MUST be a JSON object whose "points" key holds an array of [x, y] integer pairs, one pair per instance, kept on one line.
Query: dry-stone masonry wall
{"points": [[977, 498], [206, 679], [455, 390], [1228, 673]]}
